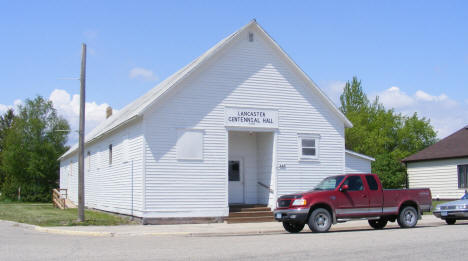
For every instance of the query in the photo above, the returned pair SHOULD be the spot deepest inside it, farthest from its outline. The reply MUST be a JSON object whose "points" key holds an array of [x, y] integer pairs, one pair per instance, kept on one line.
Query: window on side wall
{"points": [[308, 146], [88, 159], [110, 154], [462, 176], [189, 144]]}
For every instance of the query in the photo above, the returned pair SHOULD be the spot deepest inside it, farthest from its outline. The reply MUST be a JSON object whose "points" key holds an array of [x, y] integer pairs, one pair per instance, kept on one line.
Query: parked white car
{"points": [[453, 210]]}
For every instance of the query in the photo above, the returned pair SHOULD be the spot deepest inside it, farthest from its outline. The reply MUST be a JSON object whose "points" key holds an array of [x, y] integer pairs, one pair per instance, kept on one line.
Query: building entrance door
{"points": [[236, 181]]}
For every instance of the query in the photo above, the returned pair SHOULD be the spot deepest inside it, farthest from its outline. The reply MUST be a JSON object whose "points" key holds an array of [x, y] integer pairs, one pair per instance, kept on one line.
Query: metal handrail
{"points": [[265, 186]]}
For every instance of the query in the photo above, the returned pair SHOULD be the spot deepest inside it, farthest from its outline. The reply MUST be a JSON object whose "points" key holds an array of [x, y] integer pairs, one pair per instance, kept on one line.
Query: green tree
{"points": [[31, 149], [6, 121], [383, 134], [353, 98]]}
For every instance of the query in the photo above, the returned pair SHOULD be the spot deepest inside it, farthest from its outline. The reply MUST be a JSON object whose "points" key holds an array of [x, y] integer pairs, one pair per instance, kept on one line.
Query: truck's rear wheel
{"points": [[450, 221], [320, 220], [378, 223], [408, 217], [292, 227]]}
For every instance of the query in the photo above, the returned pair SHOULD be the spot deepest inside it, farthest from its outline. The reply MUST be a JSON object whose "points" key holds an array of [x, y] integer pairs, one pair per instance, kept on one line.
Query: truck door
{"points": [[353, 202], [375, 196]]}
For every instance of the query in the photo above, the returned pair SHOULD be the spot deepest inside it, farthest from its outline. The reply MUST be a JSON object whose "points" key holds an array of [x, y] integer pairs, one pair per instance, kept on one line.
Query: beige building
{"points": [[443, 167]]}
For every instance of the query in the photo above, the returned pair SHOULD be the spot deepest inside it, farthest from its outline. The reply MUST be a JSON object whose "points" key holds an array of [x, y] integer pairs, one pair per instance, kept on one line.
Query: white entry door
{"points": [[236, 181]]}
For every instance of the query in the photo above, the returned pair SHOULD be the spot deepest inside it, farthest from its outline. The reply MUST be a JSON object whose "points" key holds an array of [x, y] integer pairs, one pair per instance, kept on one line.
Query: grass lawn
{"points": [[44, 214]]}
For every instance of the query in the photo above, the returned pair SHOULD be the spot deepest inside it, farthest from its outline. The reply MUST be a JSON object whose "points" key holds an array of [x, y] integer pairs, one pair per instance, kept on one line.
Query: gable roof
{"points": [[136, 109], [359, 155], [453, 146]]}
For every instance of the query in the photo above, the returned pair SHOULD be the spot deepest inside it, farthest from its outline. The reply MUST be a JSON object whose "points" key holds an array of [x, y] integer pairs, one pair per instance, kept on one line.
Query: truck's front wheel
{"points": [[408, 217], [378, 223], [292, 227], [320, 220]]}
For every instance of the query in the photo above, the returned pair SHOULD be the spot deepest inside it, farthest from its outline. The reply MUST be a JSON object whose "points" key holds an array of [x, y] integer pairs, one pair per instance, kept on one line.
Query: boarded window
{"points": [[462, 176], [190, 145]]}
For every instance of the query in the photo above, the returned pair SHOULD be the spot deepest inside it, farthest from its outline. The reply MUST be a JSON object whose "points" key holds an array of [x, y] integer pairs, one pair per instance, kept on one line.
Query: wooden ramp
{"points": [[249, 214], [60, 199], [69, 204]]}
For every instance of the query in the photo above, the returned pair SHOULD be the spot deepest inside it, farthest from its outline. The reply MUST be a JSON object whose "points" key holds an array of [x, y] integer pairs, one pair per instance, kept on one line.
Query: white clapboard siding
{"points": [[357, 164], [439, 175], [245, 74], [109, 186]]}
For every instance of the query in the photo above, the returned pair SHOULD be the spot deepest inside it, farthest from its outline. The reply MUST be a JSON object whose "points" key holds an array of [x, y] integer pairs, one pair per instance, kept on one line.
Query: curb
{"points": [[178, 233], [73, 232]]}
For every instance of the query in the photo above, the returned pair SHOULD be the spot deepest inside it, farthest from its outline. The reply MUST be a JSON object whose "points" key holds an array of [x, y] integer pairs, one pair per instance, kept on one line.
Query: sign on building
{"points": [[250, 117]]}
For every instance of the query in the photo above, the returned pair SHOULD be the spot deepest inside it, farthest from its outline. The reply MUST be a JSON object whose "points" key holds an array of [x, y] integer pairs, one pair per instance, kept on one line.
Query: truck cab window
{"points": [[371, 182], [354, 183]]}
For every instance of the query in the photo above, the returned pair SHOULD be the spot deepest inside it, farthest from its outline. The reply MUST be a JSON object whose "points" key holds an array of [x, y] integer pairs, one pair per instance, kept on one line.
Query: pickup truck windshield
{"points": [[329, 183]]}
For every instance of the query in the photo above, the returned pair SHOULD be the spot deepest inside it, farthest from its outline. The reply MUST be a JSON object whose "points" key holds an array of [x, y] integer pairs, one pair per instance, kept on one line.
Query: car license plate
{"points": [[443, 213], [278, 215]]}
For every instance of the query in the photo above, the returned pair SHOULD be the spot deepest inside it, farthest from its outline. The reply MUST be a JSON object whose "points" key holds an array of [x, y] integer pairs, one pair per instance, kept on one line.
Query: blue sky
{"points": [[413, 54]]}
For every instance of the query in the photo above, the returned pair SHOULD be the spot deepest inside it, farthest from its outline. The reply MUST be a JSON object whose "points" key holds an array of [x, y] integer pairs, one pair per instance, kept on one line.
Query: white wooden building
{"points": [[241, 124], [442, 167], [357, 163]]}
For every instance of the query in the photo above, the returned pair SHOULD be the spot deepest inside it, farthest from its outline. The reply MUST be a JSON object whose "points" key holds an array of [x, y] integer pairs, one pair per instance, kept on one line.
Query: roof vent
{"points": [[108, 112], [250, 37]]}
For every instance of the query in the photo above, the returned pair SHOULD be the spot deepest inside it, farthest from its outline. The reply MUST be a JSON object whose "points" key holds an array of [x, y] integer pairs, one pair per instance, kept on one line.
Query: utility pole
{"points": [[81, 191]]}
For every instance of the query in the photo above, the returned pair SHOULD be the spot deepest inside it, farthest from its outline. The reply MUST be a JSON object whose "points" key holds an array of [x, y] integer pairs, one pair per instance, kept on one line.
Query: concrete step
{"points": [[251, 214], [230, 220]]}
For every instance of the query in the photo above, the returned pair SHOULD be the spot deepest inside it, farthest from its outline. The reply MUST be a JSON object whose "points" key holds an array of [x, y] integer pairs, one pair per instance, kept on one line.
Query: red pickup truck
{"points": [[353, 196]]}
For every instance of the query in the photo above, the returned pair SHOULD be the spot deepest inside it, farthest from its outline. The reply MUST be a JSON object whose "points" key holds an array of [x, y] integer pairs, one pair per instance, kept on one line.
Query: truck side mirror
{"points": [[344, 187]]}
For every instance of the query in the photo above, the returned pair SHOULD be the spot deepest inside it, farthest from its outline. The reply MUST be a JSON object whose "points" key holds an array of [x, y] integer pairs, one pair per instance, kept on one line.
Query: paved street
{"points": [[429, 242]]}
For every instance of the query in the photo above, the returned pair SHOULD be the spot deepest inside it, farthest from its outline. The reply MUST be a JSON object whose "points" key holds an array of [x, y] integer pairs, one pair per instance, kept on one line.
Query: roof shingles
{"points": [[453, 146]]}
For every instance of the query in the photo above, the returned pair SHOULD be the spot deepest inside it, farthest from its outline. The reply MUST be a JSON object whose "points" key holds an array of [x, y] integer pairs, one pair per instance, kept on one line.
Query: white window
{"points": [[308, 146], [189, 144]]}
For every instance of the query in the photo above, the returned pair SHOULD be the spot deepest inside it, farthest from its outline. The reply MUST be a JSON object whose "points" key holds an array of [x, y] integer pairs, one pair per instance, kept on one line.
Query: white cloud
{"points": [[17, 103], [68, 106], [3, 108], [142, 74], [446, 114], [395, 98]]}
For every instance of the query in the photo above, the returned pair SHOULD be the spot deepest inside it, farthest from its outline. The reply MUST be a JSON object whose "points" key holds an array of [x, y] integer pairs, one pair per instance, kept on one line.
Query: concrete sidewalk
{"points": [[213, 229]]}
